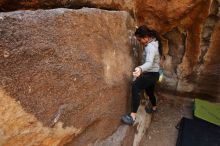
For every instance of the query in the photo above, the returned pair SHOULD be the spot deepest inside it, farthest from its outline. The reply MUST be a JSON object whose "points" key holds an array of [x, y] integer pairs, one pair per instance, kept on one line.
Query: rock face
{"points": [[20, 128], [11, 5], [189, 29], [208, 71], [69, 66], [186, 26], [74, 66], [165, 15]]}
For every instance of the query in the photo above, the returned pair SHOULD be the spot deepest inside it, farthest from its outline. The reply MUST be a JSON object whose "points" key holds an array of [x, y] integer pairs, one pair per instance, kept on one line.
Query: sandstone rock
{"points": [[116, 139], [186, 26], [208, 76], [169, 83], [184, 86], [20, 128], [176, 42], [164, 15], [50, 66], [142, 123], [69, 66], [168, 67], [47, 4], [129, 135]]}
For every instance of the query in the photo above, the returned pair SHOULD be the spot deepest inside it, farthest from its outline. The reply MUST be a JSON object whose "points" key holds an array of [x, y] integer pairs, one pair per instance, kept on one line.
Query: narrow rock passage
{"points": [[162, 130]]}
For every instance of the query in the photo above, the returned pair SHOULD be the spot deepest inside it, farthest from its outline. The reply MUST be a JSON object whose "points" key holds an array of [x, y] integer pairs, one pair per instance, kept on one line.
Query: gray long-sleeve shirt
{"points": [[151, 57]]}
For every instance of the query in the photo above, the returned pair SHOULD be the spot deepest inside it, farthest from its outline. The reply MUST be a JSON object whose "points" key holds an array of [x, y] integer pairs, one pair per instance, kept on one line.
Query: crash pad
{"points": [[207, 111]]}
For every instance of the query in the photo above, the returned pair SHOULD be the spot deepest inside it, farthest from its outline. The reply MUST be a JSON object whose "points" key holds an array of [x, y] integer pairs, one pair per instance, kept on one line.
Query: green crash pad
{"points": [[207, 111]]}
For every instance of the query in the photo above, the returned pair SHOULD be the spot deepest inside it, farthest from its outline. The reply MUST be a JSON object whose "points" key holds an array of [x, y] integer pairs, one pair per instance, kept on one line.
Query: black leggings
{"points": [[146, 82]]}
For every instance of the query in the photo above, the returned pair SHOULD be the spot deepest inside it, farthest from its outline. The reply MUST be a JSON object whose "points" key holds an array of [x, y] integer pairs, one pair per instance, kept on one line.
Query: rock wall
{"points": [[20, 128], [12, 5], [69, 66], [186, 26], [74, 66], [208, 70], [189, 29]]}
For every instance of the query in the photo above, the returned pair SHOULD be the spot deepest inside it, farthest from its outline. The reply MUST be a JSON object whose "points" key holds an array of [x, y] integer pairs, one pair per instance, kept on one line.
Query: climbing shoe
{"points": [[127, 119], [150, 110]]}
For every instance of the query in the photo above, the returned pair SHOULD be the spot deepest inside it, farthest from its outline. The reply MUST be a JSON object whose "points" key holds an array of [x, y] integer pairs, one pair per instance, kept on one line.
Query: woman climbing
{"points": [[147, 74]]}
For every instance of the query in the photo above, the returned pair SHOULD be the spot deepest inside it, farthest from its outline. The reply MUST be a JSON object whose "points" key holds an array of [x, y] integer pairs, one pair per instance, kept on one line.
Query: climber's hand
{"points": [[137, 72]]}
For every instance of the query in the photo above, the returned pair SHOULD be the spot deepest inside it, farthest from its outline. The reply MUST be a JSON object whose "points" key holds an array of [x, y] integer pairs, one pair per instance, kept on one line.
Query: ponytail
{"points": [[144, 31]]}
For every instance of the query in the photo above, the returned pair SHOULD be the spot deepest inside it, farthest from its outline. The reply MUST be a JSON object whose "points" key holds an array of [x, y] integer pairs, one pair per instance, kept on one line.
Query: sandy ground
{"points": [[162, 131]]}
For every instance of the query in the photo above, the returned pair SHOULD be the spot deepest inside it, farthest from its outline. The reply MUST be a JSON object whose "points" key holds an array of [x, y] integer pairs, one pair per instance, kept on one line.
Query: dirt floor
{"points": [[162, 131]]}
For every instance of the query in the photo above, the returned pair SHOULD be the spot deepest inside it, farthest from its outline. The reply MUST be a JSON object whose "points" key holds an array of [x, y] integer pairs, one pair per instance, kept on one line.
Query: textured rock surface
{"points": [[186, 26], [164, 15], [129, 135], [70, 66], [10, 5], [189, 29], [208, 73], [121, 137], [22, 129], [65, 65]]}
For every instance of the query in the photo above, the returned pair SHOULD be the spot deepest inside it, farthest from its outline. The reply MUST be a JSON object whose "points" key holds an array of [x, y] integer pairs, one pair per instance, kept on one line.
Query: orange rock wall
{"points": [[12, 5], [189, 29], [57, 65], [69, 66]]}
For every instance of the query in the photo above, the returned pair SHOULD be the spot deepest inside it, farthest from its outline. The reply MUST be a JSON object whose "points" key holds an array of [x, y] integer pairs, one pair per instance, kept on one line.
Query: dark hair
{"points": [[144, 31]]}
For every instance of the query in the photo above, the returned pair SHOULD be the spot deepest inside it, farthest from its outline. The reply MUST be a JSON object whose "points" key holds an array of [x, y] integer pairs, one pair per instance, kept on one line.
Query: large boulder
{"points": [[11, 5], [186, 27], [20, 128], [69, 66]]}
